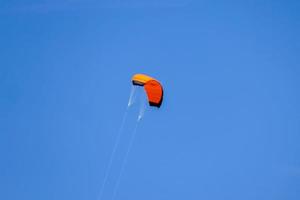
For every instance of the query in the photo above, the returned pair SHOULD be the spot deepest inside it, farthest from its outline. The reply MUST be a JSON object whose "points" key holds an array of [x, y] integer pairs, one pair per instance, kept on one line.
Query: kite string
{"points": [[110, 162], [132, 96], [118, 181], [108, 169], [142, 107]]}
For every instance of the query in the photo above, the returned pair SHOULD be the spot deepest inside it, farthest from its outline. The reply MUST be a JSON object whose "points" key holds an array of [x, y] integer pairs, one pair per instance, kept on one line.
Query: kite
{"points": [[153, 88]]}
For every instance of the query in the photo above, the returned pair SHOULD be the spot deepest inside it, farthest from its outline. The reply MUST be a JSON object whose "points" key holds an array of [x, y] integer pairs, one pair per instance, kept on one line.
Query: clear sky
{"points": [[229, 127]]}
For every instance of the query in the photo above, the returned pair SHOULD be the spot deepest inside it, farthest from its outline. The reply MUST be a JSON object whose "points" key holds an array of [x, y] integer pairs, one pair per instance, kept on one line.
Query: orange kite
{"points": [[152, 87]]}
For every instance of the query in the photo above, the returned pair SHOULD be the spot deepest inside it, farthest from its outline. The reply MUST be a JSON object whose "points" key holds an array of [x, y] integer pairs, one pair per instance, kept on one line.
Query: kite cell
{"points": [[153, 88]]}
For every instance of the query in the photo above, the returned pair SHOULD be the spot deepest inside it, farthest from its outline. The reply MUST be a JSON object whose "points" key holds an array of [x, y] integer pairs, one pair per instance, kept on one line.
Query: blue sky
{"points": [[229, 127]]}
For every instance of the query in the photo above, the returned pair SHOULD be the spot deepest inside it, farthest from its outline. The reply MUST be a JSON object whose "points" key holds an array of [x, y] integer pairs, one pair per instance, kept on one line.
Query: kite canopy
{"points": [[152, 87]]}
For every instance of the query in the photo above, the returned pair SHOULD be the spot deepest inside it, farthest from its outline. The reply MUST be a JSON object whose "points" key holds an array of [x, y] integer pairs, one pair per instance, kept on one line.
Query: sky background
{"points": [[229, 126]]}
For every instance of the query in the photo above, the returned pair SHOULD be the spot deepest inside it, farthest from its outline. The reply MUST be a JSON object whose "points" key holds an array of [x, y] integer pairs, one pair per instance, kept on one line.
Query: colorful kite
{"points": [[152, 87]]}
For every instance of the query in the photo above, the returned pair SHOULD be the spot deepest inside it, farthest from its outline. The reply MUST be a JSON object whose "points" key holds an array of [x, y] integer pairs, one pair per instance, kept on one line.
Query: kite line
{"points": [[133, 136], [131, 101], [118, 181], [117, 142]]}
